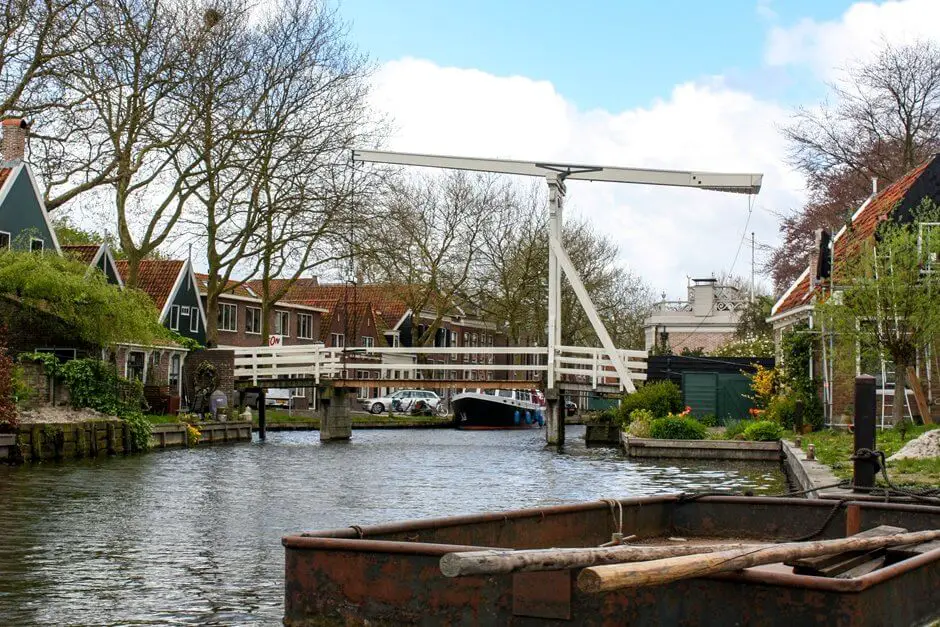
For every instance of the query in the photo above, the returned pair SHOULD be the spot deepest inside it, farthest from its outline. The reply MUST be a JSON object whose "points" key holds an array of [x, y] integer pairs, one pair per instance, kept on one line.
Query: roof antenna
{"points": [[190, 254]]}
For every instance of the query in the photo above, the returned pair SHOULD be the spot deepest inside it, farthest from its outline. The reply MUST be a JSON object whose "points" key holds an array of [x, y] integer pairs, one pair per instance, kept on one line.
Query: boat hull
{"points": [[389, 574], [483, 411]]}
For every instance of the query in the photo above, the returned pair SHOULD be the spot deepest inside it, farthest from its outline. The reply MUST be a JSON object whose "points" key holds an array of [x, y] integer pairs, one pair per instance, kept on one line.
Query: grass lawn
{"points": [[834, 448], [159, 419]]}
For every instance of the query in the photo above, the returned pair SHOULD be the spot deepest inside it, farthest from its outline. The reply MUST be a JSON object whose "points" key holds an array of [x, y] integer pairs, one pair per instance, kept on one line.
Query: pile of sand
{"points": [[48, 414], [922, 447]]}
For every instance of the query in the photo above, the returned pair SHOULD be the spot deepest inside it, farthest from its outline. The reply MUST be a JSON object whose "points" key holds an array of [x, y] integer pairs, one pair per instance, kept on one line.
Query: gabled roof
{"points": [[232, 287], [86, 253], [158, 278], [8, 176], [91, 254], [893, 202]]}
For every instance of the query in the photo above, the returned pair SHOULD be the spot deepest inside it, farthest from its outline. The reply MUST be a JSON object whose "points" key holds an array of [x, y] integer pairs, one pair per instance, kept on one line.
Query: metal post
{"points": [[864, 470], [262, 421], [556, 195]]}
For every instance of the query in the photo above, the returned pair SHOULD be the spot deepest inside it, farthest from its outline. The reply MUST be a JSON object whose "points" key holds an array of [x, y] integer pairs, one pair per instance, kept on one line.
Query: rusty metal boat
{"points": [[389, 574]]}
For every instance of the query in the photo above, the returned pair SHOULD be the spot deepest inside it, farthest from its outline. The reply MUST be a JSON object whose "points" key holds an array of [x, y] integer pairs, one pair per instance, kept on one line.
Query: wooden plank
{"points": [[868, 566], [922, 406], [814, 565], [897, 553]]}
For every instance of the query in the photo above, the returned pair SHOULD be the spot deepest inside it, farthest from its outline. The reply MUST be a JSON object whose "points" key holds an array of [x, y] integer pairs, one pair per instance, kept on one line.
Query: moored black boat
{"points": [[496, 409]]}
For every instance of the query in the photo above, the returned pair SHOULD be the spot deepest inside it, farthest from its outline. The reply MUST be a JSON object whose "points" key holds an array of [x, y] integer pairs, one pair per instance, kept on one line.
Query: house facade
{"points": [[706, 320], [375, 315], [795, 308], [240, 312], [171, 284], [24, 222]]}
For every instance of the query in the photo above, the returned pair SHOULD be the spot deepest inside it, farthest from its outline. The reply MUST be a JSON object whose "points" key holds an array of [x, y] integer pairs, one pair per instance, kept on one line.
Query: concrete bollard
{"points": [[810, 452]]}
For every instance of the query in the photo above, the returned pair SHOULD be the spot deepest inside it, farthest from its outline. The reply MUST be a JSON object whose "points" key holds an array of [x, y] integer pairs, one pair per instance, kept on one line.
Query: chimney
{"points": [[703, 296], [820, 260], [14, 140]]}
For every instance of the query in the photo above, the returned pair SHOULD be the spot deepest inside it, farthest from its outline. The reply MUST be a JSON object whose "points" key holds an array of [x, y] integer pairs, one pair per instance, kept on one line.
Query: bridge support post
{"points": [[554, 418], [335, 419]]}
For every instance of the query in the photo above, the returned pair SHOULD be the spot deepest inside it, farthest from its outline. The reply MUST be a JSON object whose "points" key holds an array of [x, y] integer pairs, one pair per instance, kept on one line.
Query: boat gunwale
{"points": [[353, 539]]}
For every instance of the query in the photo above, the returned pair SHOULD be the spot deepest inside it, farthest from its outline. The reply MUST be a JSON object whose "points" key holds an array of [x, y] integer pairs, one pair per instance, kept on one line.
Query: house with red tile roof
{"points": [[24, 221], [795, 307], [96, 257], [375, 314], [240, 311], [171, 285]]}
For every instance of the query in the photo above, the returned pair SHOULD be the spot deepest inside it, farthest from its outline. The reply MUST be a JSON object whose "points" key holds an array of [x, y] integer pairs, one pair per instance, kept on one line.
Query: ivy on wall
{"points": [[797, 349]]}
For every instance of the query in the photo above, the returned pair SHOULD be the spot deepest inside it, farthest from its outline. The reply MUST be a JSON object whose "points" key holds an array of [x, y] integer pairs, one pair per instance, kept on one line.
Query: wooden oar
{"points": [[495, 562], [615, 576]]}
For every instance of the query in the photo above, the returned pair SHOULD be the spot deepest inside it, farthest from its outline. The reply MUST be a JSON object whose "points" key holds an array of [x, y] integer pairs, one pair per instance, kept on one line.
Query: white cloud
{"points": [[860, 31], [665, 234]]}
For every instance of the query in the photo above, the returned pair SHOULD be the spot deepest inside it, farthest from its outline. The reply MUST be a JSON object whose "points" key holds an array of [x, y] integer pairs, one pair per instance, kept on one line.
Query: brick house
{"points": [[240, 318], [365, 315], [706, 320], [794, 309]]}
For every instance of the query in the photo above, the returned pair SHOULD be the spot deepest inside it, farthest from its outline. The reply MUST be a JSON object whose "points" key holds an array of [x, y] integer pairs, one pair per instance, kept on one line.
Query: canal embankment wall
{"points": [[36, 442]]}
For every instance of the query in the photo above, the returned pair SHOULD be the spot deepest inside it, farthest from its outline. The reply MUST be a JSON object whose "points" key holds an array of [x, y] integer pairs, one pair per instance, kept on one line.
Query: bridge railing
{"points": [[586, 366]]}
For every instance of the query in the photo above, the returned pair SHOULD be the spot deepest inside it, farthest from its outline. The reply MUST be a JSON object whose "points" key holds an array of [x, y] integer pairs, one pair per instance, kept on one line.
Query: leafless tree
{"points": [[883, 120], [425, 242]]}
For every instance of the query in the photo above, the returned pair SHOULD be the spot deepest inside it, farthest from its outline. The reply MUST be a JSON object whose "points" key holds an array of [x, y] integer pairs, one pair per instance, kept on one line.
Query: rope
{"points": [[617, 537]]}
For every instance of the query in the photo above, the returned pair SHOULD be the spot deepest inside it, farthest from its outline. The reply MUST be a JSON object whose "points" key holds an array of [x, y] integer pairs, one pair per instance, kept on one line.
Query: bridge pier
{"points": [[335, 417], [554, 417]]}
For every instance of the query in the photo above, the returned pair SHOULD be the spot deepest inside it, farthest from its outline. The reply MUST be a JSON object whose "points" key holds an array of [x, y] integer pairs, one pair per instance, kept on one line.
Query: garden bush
{"points": [[640, 428], [709, 420], [677, 428], [782, 410], [763, 431], [643, 415], [661, 398], [734, 428]]}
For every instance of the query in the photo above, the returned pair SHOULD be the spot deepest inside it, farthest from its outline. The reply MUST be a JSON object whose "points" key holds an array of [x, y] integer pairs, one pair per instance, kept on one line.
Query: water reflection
{"points": [[193, 536]]}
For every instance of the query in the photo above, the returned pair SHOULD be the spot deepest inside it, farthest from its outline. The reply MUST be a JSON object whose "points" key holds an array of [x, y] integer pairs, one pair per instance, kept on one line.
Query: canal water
{"points": [[193, 536]]}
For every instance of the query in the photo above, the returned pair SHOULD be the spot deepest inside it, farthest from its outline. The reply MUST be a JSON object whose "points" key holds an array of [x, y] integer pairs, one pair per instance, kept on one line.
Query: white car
{"points": [[406, 398]]}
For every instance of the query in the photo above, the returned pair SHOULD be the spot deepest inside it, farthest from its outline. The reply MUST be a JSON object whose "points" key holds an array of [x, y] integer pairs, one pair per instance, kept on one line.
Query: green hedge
{"points": [[677, 428], [661, 398], [763, 431]]}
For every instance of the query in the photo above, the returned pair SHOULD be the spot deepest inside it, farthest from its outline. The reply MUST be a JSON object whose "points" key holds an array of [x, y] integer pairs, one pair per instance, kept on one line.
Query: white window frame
{"points": [[127, 363], [368, 341], [256, 318], [9, 239], [194, 319], [301, 335], [233, 320], [42, 244], [281, 325], [338, 340], [179, 373], [175, 317]]}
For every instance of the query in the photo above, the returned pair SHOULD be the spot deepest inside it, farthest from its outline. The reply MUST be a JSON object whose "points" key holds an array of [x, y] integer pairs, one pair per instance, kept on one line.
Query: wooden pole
{"points": [[616, 576], [922, 407], [496, 562]]}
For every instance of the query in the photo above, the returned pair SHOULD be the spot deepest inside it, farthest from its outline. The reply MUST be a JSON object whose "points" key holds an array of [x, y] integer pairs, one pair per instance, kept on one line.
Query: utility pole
{"points": [[752, 266]]}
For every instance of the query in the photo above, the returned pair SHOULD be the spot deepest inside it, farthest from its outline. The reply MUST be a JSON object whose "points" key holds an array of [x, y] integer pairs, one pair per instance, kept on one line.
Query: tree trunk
{"points": [[900, 390], [133, 267], [265, 327], [212, 315]]}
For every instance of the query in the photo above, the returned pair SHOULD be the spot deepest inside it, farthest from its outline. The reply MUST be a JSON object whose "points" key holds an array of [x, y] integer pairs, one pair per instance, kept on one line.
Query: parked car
{"points": [[274, 397], [406, 398]]}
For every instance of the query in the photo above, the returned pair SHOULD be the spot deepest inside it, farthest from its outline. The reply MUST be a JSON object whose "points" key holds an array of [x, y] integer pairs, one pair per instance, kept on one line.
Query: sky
{"points": [[670, 84]]}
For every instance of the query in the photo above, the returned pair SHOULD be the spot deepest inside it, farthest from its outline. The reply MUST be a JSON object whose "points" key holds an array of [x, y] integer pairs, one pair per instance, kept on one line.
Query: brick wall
{"points": [[708, 341], [224, 362], [240, 337]]}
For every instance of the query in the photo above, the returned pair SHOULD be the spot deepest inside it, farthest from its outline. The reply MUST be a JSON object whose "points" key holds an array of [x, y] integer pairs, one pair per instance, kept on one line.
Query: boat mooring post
{"points": [[554, 418], [864, 468], [262, 421]]}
